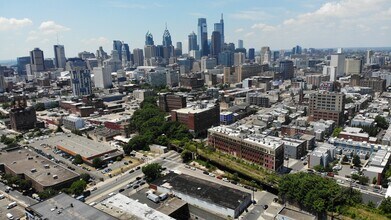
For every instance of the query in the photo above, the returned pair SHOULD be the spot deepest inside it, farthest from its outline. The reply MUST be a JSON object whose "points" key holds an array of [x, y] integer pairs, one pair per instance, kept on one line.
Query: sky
{"points": [[84, 25]]}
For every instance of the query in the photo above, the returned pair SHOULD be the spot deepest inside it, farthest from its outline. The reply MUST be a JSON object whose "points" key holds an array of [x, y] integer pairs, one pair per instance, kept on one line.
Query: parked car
{"points": [[206, 172], [121, 190]]}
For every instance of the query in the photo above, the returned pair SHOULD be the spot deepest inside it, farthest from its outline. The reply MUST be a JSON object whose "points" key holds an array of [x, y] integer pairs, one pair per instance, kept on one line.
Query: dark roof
{"points": [[204, 190], [77, 211]]}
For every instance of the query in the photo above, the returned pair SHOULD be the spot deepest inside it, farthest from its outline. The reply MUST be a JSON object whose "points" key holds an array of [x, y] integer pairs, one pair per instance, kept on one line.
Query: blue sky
{"points": [[86, 24]]}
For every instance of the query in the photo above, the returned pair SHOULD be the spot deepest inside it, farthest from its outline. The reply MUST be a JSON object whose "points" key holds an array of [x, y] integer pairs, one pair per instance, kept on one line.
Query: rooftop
{"points": [[194, 109], [293, 214], [24, 162], [204, 190], [59, 207], [81, 145], [123, 207]]}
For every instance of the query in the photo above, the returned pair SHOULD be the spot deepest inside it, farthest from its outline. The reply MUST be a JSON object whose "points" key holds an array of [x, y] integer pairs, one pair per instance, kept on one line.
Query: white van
{"points": [[10, 216], [11, 205]]}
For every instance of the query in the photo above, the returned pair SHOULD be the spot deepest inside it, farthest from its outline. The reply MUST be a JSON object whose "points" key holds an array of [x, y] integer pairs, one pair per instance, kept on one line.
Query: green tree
{"points": [[6, 105], [78, 159], [374, 180], [356, 161], [24, 184], [78, 187], [345, 159], [85, 176], [336, 131], [363, 180], [152, 171], [187, 156], [385, 206], [381, 122], [97, 162], [47, 193]]}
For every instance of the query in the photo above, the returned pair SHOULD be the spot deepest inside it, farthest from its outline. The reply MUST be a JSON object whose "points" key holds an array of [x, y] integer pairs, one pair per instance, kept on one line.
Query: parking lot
{"points": [[17, 211]]}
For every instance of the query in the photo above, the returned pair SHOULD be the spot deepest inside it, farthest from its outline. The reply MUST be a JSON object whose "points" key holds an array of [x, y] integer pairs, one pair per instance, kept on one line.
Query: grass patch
{"points": [[361, 212]]}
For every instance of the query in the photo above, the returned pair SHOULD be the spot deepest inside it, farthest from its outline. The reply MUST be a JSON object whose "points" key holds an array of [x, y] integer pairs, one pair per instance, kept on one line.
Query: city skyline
{"points": [[280, 25]]}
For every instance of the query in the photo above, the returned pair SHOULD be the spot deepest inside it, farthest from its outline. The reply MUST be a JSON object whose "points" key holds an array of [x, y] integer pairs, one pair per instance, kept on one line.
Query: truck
{"points": [[154, 198], [163, 196]]}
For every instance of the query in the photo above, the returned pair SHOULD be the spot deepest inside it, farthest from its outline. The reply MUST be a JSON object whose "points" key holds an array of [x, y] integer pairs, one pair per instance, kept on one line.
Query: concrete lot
{"points": [[17, 211]]}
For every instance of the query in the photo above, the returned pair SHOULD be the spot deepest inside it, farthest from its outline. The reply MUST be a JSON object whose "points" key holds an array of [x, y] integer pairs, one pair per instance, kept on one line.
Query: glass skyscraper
{"points": [[203, 37]]}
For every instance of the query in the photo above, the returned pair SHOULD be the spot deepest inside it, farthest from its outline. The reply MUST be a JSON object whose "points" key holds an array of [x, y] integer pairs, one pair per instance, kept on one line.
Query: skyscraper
{"points": [[240, 44], [138, 57], [215, 46], [59, 55], [149, 51], [102, 77], [220, 28], [338, 60], [126, 50], [251, 54], [286, 69], [81, 82], [37, 60], [149, 39], [21, 63], [117, 45], [203, 37], [167, 38], [193, 42]]}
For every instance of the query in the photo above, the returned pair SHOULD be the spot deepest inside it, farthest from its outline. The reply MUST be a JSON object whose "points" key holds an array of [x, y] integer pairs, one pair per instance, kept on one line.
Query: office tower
{"points": [[251, 54], [81, 82], [102, 77], [138, 57], [369, 57], [37, 60], [75, 62], [149, 39], [113, 63], [86, 55], [196, 54], [203, 37], [226, 58], [239, 58], [193, 42], [220, 28], [167, 38], [286, 69], [215, 47], [125, 47], [240, 44], [265, 51], [21, 63], [149, 51], [101, 54], [327, 106], [159, 50], [22, 117], [169, 102], [330, 71], [353, 66], [59, 56], [296, 50], [178, 49], [179, 45], [49, 64], [208, 63], [276, 55], [338, 60], [117, 45]]}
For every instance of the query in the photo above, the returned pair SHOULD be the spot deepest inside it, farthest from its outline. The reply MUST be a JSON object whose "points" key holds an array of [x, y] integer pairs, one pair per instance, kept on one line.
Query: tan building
{"points": [[353, 66], [327, 106]]}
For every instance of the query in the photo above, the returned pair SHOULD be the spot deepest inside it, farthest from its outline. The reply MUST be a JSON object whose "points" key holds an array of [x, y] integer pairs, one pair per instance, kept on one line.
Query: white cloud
{"points": [[263, 27], [249, 34], [99, 41], [13, 23], [239, 30], [254, 15], [50, 27]]}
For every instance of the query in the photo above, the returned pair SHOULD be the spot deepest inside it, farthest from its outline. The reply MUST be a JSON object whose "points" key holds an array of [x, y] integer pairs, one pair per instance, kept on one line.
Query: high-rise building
{"points": [[126, 51], [138, 57], [102, 77], [226, 58], [22, 117], [59, 56], [193, 42], [37, 60], [220, 28], [239, 58], [21, 63], [203, 37], [178, 49], [149, 39], [251, 54], [327, 106], [215, 47], [169, 102], [81, 82], [240, 44], [353, 66], [149, 51], [330, 71], [208, 63], [264, 55], [117, 45], [286, 69], [369, 57], [338, 60], [296, 50], [167, 38]]}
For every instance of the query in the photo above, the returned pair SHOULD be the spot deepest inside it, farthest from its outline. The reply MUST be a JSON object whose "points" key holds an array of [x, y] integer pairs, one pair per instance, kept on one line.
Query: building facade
{"points": [[327, 106]]}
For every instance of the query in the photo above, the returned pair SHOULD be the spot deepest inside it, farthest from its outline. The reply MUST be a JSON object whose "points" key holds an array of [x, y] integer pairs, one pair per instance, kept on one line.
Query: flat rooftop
{"points": [[18, 161], [293, 214], [204, 190], [123, 207], [77, 211], [81, 145], [194, 110]]}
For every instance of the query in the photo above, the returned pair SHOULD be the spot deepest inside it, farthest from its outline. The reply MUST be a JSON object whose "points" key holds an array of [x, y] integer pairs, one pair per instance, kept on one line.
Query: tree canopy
{"points": [[381, 122], [152, 171], [97, 162], [78, 159]]}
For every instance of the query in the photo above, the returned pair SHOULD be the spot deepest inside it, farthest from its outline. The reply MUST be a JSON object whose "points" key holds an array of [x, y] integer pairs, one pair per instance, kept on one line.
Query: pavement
{"points": [[17, 196]]}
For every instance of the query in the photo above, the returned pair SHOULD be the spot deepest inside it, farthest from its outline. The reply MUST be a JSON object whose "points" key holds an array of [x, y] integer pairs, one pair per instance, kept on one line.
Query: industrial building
{"points": [[65, 207], [216, 198], [42, 173]]}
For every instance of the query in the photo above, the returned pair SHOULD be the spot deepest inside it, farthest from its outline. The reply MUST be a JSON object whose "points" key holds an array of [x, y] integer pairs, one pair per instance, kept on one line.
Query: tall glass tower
{"points": [[167, 38], [193, 42], [220, 28], [149, 39], [203, 36]]}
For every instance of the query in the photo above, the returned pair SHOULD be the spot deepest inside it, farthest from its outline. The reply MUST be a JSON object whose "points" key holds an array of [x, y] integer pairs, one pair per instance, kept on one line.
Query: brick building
{"points": [[168, 102], [327, 106], [266, 151], [198, 118]]}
